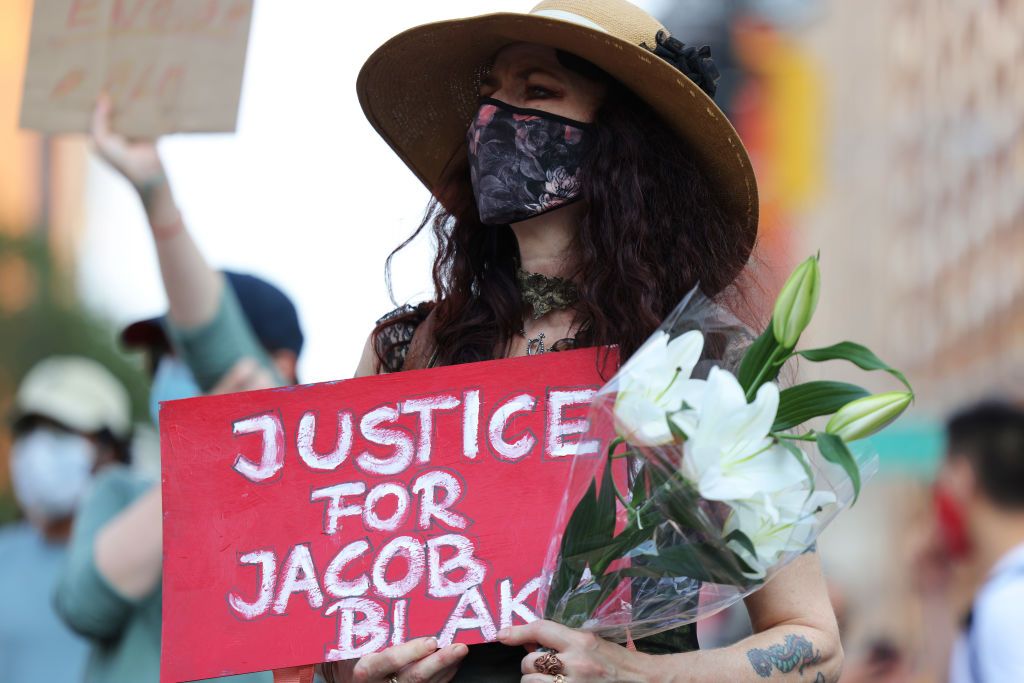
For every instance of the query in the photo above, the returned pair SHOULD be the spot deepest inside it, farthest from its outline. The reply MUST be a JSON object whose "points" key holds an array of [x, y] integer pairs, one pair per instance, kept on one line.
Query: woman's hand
{"points": [[136, 160], [418, 661], [584, 656]]}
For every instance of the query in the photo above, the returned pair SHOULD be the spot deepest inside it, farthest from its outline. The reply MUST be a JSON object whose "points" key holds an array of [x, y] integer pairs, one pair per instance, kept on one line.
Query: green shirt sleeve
{"points": [[84, 599], [212, 349]]}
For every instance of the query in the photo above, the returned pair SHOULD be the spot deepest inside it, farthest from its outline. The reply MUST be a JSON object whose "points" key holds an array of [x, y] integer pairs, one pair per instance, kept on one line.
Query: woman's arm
{"points": [[369, 364], [796, 639]]}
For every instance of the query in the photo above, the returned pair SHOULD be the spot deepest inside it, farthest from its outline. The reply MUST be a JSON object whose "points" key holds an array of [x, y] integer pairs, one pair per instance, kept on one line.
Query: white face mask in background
{"points": [[50, 470]]}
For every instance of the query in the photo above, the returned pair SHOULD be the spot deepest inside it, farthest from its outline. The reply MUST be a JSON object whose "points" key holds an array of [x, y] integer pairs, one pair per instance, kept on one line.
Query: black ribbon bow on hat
{"points": [[696, 64]]}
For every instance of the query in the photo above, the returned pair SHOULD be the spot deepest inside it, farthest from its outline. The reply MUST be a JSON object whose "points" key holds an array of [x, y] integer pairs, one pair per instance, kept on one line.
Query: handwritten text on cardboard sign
{"points": [[328, 521]]}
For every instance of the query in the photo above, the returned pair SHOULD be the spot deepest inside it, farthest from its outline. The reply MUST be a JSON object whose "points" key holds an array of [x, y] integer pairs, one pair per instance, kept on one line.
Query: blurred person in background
{"points": [[71, 420], [980, 515], [223, 333]]}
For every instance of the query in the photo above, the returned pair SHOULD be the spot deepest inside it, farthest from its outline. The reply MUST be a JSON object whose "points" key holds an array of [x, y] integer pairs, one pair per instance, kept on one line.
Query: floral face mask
{"points": [[524, 162]]}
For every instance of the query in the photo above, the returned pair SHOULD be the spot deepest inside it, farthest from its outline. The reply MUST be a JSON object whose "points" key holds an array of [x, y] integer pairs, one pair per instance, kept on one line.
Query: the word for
{"points": [[437, 491]]}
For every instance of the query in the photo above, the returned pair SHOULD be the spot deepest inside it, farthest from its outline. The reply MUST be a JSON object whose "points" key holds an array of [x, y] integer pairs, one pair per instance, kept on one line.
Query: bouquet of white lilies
{"points": [[713, 478]]}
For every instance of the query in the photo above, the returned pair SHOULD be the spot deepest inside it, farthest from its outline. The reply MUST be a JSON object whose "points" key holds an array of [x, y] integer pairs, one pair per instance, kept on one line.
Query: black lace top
{"points": [[393, 341]]}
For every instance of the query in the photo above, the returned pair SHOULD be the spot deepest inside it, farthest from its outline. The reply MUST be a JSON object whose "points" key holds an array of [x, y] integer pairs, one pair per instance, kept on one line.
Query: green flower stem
{"points": [[776, 359], [635, 525], [616, 442], [810, 436]]}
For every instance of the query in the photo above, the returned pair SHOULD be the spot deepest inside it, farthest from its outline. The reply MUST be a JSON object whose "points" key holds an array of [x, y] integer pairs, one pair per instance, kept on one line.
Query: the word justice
{"points": [[400, 434]]}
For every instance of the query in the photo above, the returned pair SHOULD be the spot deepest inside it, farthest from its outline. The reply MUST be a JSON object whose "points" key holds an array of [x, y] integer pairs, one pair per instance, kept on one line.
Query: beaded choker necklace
{"points": [[545, 293]]}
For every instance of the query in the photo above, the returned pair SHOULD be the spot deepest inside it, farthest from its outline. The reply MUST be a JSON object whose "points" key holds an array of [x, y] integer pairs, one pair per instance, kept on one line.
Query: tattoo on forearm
{"points": [[796, 653]]}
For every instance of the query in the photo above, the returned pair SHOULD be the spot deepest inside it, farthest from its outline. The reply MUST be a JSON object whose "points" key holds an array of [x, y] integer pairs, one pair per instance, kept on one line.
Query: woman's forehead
{"points": [[519, 55]]}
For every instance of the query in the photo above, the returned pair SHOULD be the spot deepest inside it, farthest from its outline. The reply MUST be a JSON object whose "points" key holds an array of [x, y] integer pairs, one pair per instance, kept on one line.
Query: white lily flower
{"points": [[728, 453], [654, 383], [776, 524]]}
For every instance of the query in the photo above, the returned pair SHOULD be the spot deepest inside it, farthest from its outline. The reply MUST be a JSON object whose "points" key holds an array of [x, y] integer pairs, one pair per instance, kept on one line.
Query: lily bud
{"points": [[865, 416], [796, 303]]}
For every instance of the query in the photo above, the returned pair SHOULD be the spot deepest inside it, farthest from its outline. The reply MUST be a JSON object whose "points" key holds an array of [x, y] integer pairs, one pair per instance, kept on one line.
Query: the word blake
{"points": [[382, 430]]}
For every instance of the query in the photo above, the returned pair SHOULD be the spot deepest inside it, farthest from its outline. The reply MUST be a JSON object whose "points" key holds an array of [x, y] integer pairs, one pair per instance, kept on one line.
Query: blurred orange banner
{"points": [[169, 65]]}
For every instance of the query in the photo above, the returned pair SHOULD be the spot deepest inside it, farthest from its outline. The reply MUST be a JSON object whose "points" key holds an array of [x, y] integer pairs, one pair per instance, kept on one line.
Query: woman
{"points": [[583, 183]]}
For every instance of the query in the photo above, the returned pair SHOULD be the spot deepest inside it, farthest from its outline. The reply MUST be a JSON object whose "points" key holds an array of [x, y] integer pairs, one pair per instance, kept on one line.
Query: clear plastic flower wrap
{"points": [[708, 478]]}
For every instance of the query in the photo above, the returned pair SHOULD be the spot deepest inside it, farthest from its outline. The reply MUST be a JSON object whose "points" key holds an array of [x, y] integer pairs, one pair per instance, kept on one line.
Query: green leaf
{"points": [[743, 540], [638, 492], [801, 457], [678, 434], [590, 529], [582, 604], [802, 402], [835, 450], [575, 541], [861, 356], [604, 517], [755, 360]]}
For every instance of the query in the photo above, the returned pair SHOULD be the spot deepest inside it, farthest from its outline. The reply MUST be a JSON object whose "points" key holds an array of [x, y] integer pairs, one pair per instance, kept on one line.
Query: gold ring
{"points": [[549, 663]]}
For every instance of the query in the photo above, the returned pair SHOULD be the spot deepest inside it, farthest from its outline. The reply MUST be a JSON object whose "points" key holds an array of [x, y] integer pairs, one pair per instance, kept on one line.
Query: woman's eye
{"points": [[538, 92]]}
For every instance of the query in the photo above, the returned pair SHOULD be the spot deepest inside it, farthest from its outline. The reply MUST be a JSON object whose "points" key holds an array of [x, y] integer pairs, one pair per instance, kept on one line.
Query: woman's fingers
{"points": [[536, 678], [529, 663], [379, 666], [439, 667], [546, 633]]}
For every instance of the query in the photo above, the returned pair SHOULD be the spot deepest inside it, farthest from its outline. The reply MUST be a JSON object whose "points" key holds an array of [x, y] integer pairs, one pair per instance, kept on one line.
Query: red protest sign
{"points": [[327, 521]]}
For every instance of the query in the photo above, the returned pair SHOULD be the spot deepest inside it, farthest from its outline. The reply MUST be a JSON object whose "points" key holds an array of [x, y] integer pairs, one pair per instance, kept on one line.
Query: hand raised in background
{"points": [[137, 160]]}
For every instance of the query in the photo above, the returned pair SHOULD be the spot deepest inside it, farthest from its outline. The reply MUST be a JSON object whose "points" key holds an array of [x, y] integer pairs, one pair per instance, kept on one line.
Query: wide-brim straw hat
{"points": [[420, 89]]}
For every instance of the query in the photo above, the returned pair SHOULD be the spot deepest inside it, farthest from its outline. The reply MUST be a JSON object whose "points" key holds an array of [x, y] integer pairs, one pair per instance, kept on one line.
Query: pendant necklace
{"points": [[544, 293]]}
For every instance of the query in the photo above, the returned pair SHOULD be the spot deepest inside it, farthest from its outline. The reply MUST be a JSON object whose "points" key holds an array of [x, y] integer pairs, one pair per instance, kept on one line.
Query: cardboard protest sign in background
{"points": [[327, 521], [169, 65]]}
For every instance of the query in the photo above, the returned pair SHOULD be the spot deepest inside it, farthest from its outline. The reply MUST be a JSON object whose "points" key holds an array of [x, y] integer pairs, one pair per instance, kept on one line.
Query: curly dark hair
{"points": [[653, 229]]}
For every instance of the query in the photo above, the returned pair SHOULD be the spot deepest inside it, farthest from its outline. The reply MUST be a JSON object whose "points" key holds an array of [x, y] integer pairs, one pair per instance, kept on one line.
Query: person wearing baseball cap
{"points": [[256, 331], [71, 418]]}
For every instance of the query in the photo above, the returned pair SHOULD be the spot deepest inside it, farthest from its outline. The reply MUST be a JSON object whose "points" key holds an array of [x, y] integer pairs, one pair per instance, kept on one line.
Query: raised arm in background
{"points": [[193, 287]]}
